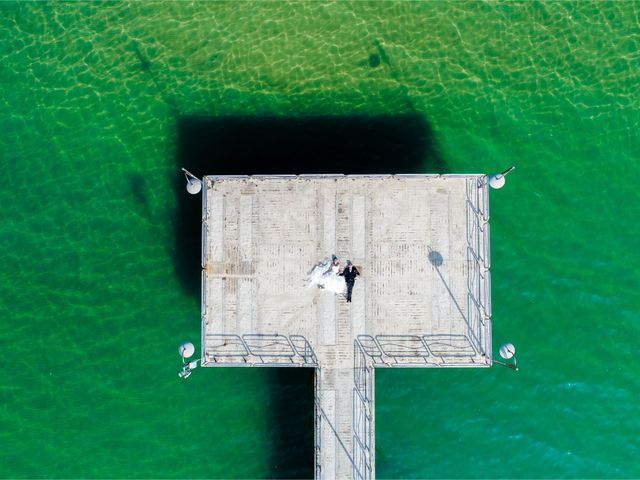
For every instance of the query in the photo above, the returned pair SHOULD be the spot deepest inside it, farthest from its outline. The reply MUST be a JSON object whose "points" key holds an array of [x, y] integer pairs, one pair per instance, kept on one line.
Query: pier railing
{"points": [[362, 437], [259, 350], [437, 350], [317, 435], [363, 395], [434, 349], [479, 263]]}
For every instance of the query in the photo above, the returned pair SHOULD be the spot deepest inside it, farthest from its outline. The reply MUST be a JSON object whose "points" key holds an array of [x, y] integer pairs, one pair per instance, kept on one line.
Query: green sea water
{"points": [[92, 305]]}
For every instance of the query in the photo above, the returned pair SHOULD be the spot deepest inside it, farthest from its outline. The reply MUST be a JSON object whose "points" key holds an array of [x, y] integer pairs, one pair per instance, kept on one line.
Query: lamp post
{"points": [[497, 180], [186, 351], [508, 351], [194, 184]]}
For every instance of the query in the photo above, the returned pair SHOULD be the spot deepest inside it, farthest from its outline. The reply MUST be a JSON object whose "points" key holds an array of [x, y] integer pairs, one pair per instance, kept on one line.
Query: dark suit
{"points": [[350, 274]]}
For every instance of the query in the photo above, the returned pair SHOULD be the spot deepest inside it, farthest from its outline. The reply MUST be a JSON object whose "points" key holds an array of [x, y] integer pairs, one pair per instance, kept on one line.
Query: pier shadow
{"points": [[290, 145], [291, 422]]}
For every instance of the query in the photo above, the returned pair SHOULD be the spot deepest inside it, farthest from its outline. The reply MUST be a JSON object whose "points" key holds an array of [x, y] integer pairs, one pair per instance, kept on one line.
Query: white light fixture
{"points": [[186, 351], [194, 184], [497, 180], [508, 352]]}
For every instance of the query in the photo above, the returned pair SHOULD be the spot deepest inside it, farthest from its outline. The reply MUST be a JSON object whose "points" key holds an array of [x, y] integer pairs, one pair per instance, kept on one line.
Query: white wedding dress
{"points": [[325, 275]]}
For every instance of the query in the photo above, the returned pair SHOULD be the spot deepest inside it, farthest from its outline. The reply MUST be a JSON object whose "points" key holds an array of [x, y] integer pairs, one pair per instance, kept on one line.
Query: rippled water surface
{"points": [[96, 295]]}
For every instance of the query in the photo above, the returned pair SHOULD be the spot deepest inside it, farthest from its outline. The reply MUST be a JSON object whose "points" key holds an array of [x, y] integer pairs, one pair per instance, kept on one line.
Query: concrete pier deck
{"points": [[421, 243]]}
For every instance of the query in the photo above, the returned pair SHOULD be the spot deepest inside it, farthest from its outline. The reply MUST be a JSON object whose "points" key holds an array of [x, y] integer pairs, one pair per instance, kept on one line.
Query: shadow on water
{"points": [[291, 422], [379, 58], [145, 66], [140, 193], [290, 145]]}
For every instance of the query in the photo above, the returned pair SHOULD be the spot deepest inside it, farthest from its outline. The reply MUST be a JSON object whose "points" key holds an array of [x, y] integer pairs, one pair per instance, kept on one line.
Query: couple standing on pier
{"points": [[327, 275]]}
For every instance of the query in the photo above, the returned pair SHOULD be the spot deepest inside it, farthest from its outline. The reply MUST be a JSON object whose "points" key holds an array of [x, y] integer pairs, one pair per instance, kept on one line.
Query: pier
{"points": [[423, 299]]}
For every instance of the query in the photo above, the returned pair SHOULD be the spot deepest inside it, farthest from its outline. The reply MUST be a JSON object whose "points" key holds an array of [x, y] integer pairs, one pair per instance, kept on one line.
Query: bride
{"points": [[325, 275]]}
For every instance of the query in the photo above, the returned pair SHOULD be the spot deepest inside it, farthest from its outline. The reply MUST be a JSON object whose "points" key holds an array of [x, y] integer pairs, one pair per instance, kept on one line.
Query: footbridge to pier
{"points": [[423, 300]]}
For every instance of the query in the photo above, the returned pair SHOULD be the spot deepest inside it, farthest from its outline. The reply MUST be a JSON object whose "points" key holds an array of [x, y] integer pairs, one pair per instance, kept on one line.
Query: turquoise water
{"points": [[94, 303]]}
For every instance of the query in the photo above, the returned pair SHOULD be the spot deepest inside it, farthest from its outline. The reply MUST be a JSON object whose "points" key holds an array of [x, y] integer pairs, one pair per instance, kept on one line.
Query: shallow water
{"points": [[95, 232]]}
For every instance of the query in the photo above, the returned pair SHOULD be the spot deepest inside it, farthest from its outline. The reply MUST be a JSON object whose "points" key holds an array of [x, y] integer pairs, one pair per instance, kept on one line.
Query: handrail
{"points": [[479, 261], [317, 400], [253, 355]]}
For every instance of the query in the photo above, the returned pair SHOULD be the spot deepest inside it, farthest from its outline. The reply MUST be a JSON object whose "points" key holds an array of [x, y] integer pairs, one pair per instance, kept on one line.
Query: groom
{"points": [[349, 273]]}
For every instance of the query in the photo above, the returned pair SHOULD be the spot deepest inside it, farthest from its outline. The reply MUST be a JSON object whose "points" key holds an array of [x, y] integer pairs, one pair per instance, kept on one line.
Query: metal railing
{"points": [[317, 436], [363, 449], [434, 349], [258, 350], [479, 263], [362, 436], [321, 419]]}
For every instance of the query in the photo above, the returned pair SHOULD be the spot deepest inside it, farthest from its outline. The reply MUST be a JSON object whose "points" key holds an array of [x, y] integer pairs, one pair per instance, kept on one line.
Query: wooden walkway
{"points": [[423, 299]]}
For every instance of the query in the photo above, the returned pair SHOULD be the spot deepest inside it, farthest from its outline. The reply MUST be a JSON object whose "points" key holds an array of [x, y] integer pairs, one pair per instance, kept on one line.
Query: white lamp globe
{"points": [[194, 186], [507, 351], [186, 349]]}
